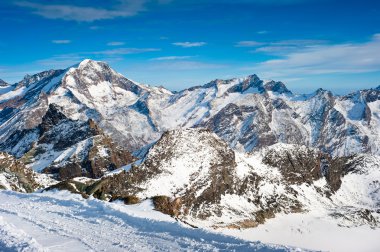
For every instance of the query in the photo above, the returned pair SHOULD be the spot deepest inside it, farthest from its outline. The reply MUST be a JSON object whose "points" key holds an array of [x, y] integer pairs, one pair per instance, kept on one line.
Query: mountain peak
{"points": [[251, 81], [3, 83], [93, 64], [276, 87]]}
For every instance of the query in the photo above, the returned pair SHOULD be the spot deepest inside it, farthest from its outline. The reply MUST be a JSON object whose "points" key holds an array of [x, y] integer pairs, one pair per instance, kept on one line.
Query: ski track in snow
{"points": [[60, 221]]}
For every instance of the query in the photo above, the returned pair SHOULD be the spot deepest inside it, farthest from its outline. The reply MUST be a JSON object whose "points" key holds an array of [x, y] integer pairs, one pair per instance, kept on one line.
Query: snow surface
{"points": [[60, 221], [312, 231]]}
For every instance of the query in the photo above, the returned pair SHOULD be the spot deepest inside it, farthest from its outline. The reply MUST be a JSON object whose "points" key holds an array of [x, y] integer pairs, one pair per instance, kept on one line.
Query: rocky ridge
{"points": [[231, 153], [67, 148], [197, 178], [248, 113]]}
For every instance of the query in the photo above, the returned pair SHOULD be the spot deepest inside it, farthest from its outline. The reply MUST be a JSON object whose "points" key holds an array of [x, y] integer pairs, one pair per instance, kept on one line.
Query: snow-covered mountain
{"points": [[247, 112], [195, 177], [65, 147], [229, 154]]}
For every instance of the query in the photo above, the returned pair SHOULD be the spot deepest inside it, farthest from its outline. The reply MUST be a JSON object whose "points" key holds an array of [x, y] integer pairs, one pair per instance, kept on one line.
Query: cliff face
{"points": [[67, 148]]}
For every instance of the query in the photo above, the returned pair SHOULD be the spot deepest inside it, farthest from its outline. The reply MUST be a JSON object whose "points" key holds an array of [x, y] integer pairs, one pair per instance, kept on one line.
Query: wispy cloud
{"points": [[324, 59], [184, 65], [123, 8], [61, 61], [262, 32], [66, 60], [276, 46], [124, 51], [249, 43], [95, 27], [265, 2], [172, 58], [61, 41], [115, 43], [189, 44]]}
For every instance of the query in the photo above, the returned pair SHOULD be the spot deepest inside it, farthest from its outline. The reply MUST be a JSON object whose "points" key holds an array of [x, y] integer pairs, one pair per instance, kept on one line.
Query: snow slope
{"points": [[60, 221], [312, 230]]}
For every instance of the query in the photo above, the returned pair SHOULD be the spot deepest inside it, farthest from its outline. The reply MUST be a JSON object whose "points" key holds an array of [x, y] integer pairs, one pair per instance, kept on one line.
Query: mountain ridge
{"points": [[135, 115]]}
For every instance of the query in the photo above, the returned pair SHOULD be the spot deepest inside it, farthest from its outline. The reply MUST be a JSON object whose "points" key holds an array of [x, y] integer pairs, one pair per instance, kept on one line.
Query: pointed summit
{"points": [[89, 63], [277, 87], [251, 81], [3, 83], [89, 73]]}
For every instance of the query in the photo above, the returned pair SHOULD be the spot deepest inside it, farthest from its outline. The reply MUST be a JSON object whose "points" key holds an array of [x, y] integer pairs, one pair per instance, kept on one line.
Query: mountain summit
{"points": [[247, 112]]}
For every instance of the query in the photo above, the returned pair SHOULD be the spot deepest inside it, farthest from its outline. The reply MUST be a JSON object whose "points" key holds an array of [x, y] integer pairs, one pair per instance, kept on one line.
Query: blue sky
{"points": [[180, 43]]}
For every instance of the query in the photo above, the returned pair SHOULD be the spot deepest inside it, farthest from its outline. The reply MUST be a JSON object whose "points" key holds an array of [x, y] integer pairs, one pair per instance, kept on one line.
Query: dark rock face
{"points": [[93, 152], [299, 165], [167, 206], [304, 165], [52, 117], [251, 82], [277, 87]]}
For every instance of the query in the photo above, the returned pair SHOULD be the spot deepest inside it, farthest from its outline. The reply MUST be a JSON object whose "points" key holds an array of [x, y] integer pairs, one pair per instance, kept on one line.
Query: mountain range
{"points": [[227, 154]]}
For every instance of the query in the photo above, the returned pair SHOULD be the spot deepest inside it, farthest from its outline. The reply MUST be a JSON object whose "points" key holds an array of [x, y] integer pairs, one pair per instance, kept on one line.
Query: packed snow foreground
{"points": [[101, 162], [61, 221]]}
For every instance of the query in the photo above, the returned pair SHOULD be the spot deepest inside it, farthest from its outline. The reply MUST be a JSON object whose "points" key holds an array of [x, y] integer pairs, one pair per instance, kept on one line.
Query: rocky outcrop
{"points": [[67, 148], [197, 178], [15, 176]]}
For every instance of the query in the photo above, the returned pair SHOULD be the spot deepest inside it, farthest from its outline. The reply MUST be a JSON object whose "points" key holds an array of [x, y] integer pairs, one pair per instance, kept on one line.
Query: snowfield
{"points": [[61, 221], [312, 230]]}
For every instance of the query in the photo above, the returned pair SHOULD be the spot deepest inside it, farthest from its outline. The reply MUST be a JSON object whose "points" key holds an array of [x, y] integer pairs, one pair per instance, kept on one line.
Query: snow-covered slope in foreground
{"points": [[313, 231], [60, 221]]}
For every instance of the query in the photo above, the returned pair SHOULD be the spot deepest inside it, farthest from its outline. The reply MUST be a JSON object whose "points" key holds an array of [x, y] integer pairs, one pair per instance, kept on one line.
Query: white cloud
{"points": [[123, 51], [189, 44], [183, 65], [264, 2], [172, 58], [280, 46], [248, 43], [325, 59], [115, 43], [124, 8], [262, 32], [61, 61], [62, 41]]}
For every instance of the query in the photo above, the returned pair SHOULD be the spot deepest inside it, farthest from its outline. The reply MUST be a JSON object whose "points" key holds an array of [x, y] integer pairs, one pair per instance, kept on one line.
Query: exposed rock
{"points": [[167, 206], [68, 148], [15, 176], [277, 87]]}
